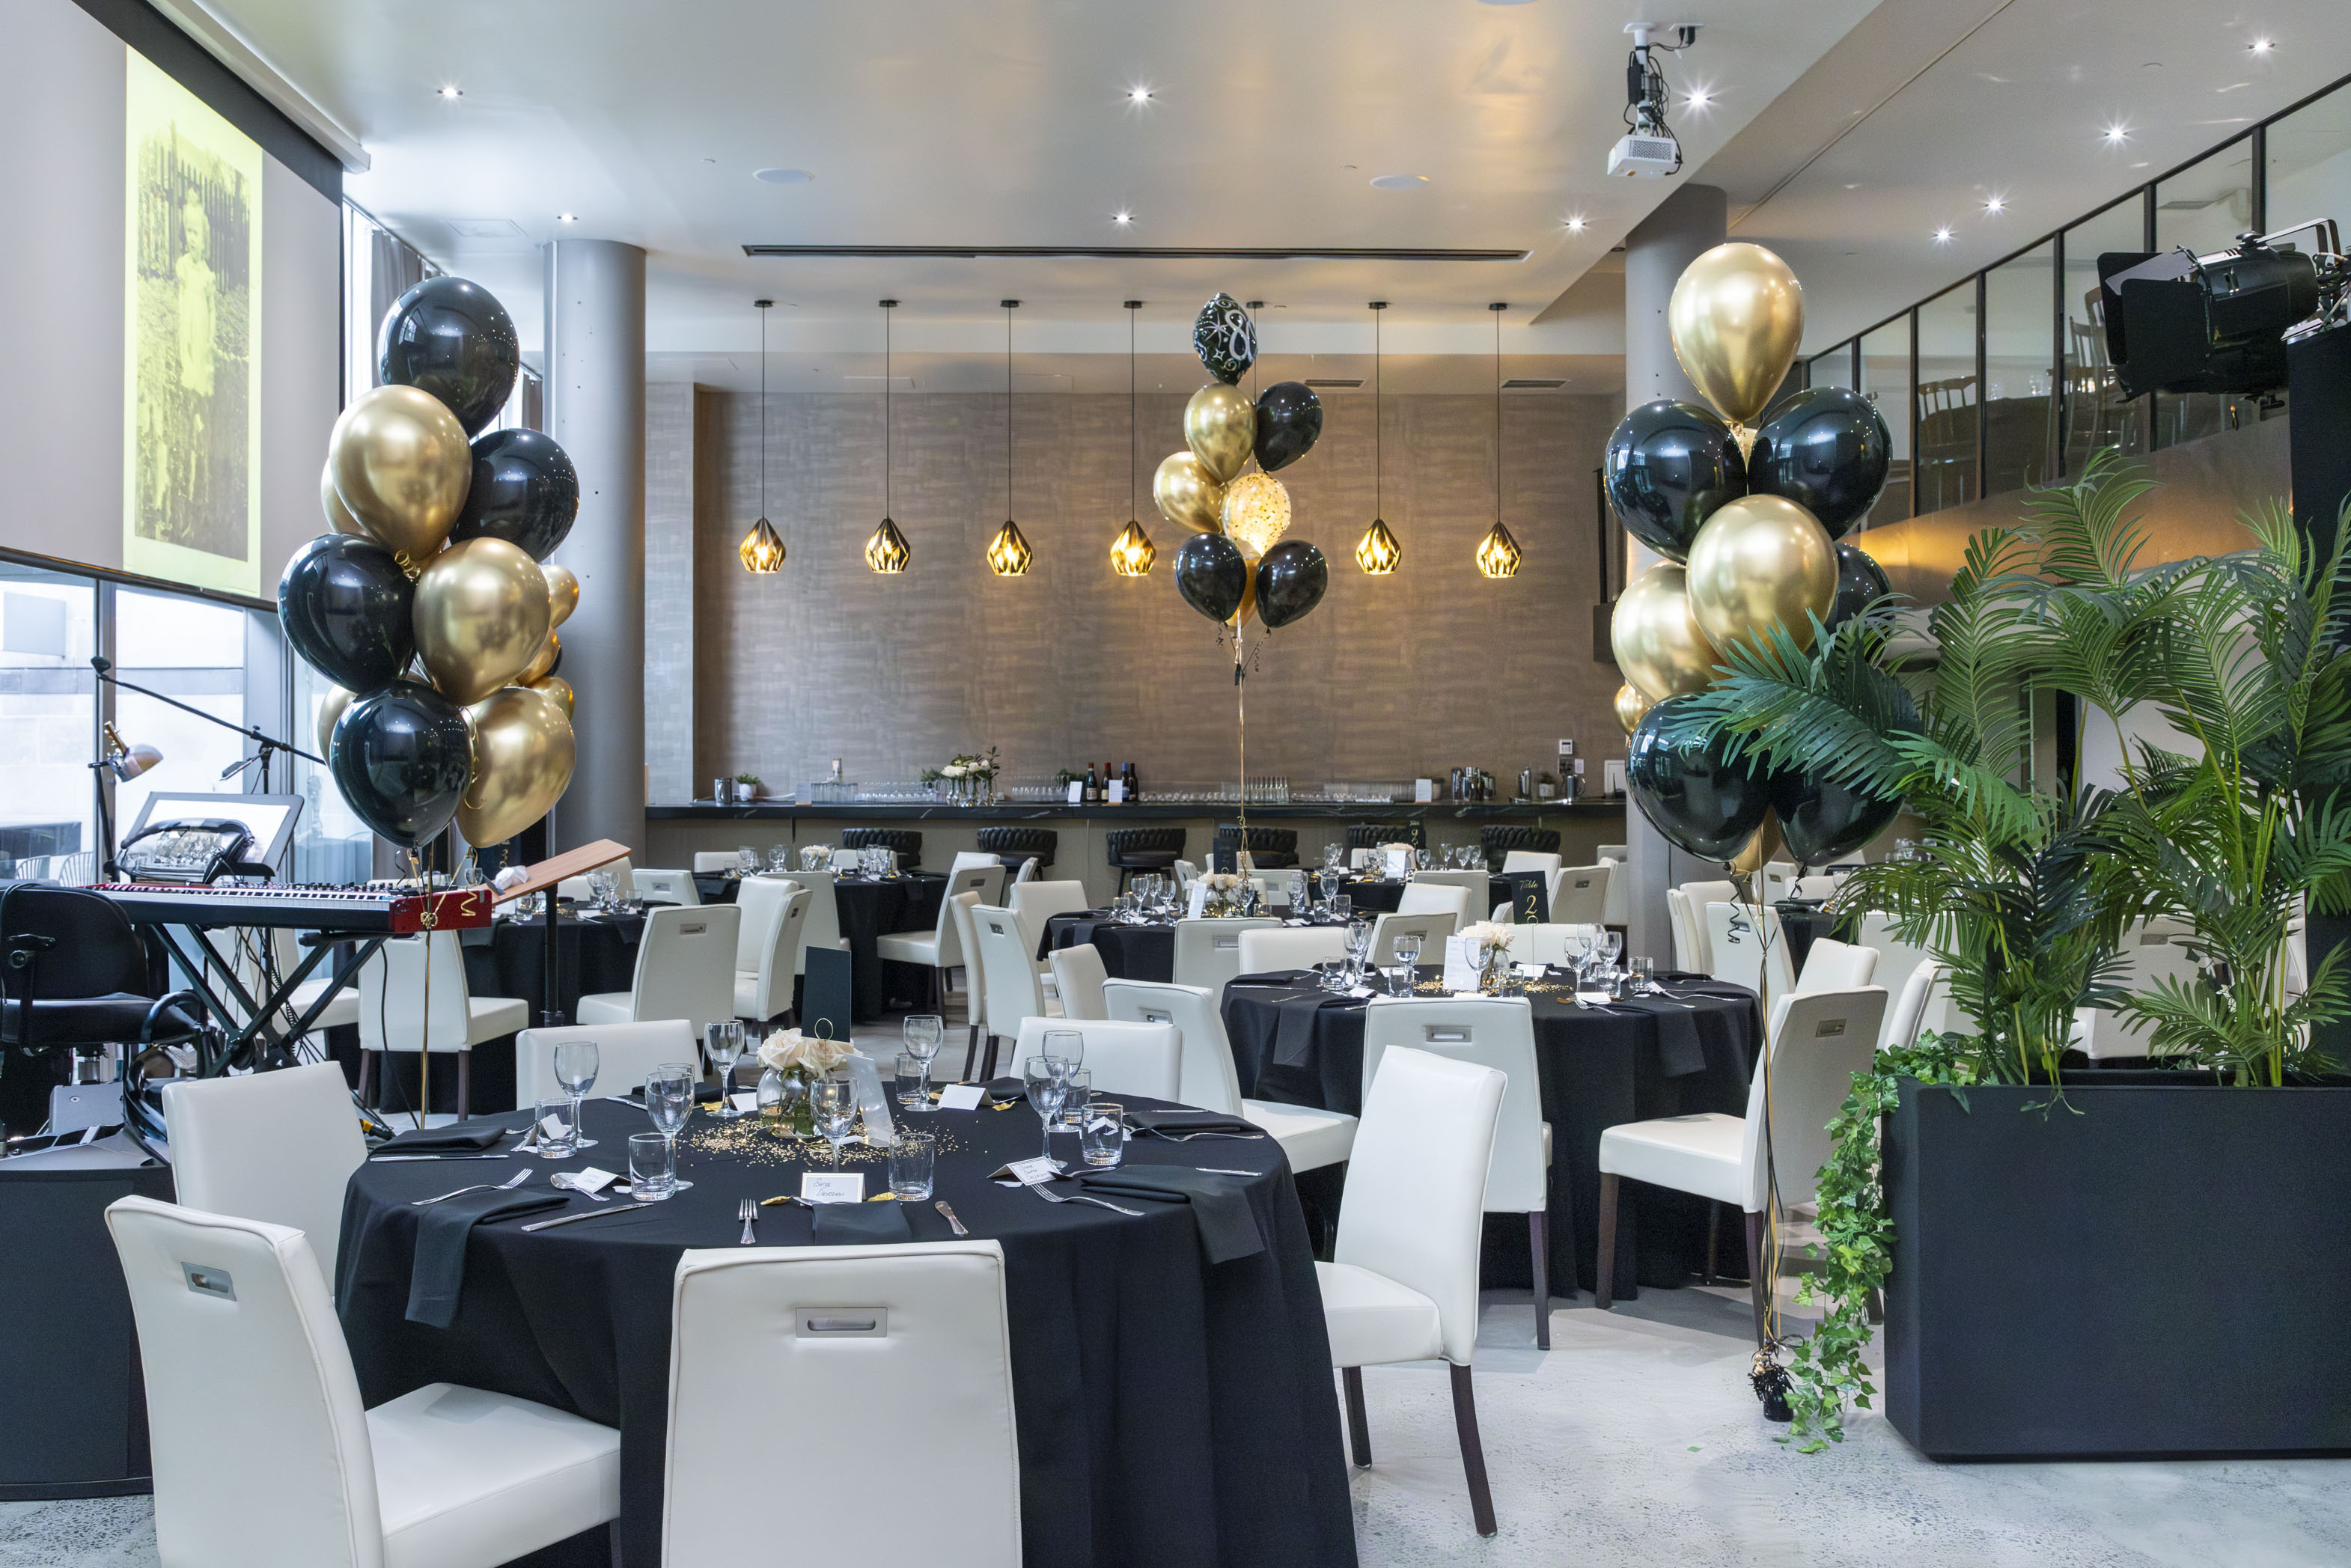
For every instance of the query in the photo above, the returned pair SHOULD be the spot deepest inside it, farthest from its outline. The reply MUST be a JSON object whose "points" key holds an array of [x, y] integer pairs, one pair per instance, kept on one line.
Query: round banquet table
{"points": [[1379, 895], [594, 954], [1806, 924], [1169, 1410], [1128, 952], [868, 911], [1298, 1044]]}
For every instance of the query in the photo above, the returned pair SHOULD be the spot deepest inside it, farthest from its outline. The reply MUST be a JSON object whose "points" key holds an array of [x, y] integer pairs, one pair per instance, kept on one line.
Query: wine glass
{"points": [[575, 1069], [833, 1108], [725, 1046], [1065, 1045], [1298, 893], [780, 857], [1407, 952], [669, 1101], [1612, 943], [921, 1034], [747, 859], [1047, 1089], [1330, 879], [1359, 949]]}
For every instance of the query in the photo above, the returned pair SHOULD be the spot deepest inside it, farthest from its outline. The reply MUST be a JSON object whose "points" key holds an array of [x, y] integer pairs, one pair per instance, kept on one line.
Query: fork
{"points": [[508, 1185], [1051, 1197], [748, 1212]]}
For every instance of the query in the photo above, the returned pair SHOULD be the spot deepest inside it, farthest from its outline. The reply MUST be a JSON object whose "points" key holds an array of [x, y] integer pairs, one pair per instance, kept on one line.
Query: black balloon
{"points": [[1291, 579], [1224, 337], [401, 756], [1707, 807], [348, 609], [1860, 580], [1668, 465], [1820, 821], [1828, 451], [524, 491], [1212, 575], [1289, 422], [453, 340]]}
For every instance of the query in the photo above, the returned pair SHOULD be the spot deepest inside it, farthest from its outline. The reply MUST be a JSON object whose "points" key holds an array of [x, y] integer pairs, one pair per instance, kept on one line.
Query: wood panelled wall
{"points": [[1390, 678]]}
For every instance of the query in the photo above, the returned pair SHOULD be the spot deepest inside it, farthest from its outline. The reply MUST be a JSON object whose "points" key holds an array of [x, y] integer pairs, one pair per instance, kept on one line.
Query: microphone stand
{"points": [[265, 745]]}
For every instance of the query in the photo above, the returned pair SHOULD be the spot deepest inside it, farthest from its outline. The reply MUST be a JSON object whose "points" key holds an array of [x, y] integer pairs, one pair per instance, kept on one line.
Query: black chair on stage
{"points": [[1131, 849], [908, 846], [1272, 849], [74, 976], [1014, 845], [1371, 835], [1500, 839]]}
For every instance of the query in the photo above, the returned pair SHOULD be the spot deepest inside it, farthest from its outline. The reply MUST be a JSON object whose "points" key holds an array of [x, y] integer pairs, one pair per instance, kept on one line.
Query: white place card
{"points": [[1197, 906], [1398, 863], [1359, 992], [824, 1186], [589, 1180], [747, 1101], [873, 1103], [1031, 1171], [1358, 859], [1461, 973], [959, 1097], [551, 1126]]}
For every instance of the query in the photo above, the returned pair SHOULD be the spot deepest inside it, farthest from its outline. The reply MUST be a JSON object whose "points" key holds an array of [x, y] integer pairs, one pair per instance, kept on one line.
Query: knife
{"points": [[590, 1214], [953, 1223], [387, 1159]]}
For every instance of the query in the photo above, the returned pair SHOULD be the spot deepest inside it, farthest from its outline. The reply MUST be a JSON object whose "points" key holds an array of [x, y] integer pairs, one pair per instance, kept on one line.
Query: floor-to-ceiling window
{"points": [[48, 711], [1885, 382], [2020, 373], [1947, 400]]}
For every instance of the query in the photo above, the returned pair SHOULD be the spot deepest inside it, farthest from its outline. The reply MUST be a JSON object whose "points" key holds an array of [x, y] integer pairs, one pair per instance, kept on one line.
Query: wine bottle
{"points": [[1088, 796]]}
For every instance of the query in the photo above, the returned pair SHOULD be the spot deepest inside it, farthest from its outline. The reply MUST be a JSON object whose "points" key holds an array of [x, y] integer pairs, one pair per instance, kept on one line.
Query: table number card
{"points": [[1196, 907], [824, 1186]]}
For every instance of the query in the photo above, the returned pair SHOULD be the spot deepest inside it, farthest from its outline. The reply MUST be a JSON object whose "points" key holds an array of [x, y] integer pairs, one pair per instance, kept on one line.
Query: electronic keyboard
{"points": [[395, 909]]}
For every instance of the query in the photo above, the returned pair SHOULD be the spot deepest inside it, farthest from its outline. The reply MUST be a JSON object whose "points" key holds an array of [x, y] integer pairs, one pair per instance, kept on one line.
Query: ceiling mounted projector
{"points": [[1648, 147]]}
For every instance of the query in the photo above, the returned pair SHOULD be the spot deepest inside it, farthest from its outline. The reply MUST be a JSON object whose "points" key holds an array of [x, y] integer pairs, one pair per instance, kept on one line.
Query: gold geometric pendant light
{"points": [[1132, 553], [885, 547], [762, 549], [1498, 553], [1377, 552], [1009, 554]]}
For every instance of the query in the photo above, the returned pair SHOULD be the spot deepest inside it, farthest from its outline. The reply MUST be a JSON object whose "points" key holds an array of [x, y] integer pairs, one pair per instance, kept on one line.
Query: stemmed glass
{"points": [[1297, 893], [669, 1101], [1047, 1089], [575, 1069], [1067, 1046], [747, 859], [725, 1046], [921, 1034], [1359, 949], [1611, 943], [780, 857], [1407, 952], [1329, 878], [833, 1107]]}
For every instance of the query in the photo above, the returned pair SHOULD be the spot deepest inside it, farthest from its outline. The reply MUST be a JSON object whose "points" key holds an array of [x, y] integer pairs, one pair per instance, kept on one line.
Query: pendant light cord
{"points": [[885, 408], [1498, 415], [1007, 411], [763, 412], [1379, 432], [1131, 446]]}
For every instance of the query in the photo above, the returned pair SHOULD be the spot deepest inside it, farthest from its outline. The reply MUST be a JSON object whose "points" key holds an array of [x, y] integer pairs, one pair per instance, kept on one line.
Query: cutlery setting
{"points": [[508, 1185]]}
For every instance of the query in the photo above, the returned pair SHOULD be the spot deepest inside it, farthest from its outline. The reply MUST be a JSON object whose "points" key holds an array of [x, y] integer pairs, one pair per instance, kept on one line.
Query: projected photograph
{"points": [[193, 446]]}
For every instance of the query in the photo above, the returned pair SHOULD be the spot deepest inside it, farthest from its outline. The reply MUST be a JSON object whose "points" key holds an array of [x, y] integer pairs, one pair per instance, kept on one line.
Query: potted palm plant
{"points": [[2082, 1262]]}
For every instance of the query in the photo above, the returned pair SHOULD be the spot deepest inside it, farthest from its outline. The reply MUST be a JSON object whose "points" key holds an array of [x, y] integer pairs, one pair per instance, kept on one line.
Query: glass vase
{"points": [[784, 1103], [1494, 979]]}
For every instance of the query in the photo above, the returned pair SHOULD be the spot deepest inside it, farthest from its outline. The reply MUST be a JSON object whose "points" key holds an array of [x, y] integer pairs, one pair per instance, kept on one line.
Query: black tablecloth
{"points": [[1381, 896], [1803, 924], [1169, 1411], [1128, 952], [1599, 1069], [870, 909], [593, 956], [716, 886]]}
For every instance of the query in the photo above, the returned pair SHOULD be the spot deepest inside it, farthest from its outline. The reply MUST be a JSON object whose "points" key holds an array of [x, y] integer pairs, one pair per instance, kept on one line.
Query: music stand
{"points": [[544, 877]]}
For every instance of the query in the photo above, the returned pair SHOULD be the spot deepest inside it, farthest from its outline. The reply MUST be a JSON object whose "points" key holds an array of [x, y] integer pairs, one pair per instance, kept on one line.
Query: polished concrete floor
{"points": [[1635, 1440]]}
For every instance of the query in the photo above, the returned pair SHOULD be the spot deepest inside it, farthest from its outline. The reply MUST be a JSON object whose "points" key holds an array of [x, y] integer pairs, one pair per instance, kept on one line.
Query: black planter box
{"points": [[2165, 1273]]}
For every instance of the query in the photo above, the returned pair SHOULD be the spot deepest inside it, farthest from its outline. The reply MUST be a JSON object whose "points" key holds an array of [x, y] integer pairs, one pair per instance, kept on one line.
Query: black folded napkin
{"points": [[1176, 1124], [1220, 1206], [457, 1138], [1004, 1092], [859, 1224], [1272, 977], [437, 1276]]}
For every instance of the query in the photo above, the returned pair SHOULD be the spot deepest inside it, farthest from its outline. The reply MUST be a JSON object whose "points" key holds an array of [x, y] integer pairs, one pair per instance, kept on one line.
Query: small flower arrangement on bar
{"points": [[969, 781]]}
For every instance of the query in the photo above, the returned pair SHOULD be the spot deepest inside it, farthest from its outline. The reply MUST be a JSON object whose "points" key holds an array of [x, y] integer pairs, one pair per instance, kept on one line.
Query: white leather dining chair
{"points": [[1077, 977], [1544, 943], [1475, 885], [1749, 948], [410, 1001], [716, 863], [1579, 894], [1496, 1032], [624, 878], [264, 1454], [343, 1010], [1895, 958], [1035, 902], [1310, 1136], [766, 942], [686, 969], [1804, 1073], [1432, 930], [273, 1147], [965, 859], [1269, 949], [913, 1338], [1530, 860], [1834, 966], [938, 948], [968, 943], [1618, 910], [1700, 894], [1123, 1058], [1908, 1016], [625, 1054], [666, 886], [1422, 896], [821, 928], [1402, 1284], [1208, 952], [1778, 882], [1689, 950], [1010, 988]]}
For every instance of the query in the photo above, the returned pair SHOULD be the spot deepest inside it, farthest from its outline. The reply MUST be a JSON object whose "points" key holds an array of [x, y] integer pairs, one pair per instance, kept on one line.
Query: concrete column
{"points": [[1691, 221], [596, 408]]}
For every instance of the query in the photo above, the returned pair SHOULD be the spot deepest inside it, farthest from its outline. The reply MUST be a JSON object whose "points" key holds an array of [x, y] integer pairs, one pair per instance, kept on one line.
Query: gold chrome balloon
{"points": [[541, 662], [1761, 848], [1256, 514], [1659, 642], [482, 616], [339, 516], [331, 709], [1630, 706], [1760, 561], [523, 756], [558, 688], [1220, 427], [1187, 495], [402, 467], [1737, 316], [562, 593]]}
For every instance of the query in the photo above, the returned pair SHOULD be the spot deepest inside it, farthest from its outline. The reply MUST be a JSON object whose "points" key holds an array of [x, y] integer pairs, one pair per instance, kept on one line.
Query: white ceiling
{"points": [[945, 122]]}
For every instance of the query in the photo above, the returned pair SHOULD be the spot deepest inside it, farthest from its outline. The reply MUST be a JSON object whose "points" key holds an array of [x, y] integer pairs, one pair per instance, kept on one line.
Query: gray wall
{"points": [[1389, 678]]}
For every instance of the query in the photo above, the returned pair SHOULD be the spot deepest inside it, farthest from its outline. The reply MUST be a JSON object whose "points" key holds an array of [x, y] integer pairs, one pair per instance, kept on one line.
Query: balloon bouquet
{"points": [[428, 605], [1748, 518]]}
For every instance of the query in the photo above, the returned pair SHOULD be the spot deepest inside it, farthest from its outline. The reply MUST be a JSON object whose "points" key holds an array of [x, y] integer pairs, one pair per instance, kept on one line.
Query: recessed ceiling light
{"points": [[1995, 204], [1575, 223], [1398, 181], [452, 92], [1943, 235], [567, 217], [2262, 45], [1698, 97], [783, 176], [1138, 95], [1123, 216], [2117, 134]]}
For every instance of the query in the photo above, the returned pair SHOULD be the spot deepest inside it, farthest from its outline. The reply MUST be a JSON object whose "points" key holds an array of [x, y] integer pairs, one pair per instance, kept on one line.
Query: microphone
{"points": [[101, 666]]}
